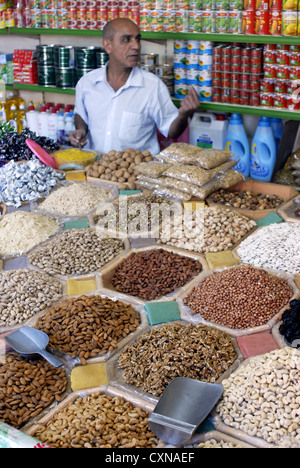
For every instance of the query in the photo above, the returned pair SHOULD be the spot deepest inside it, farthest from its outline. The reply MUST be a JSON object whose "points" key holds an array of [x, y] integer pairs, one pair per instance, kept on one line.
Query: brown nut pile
{"points": [[155, 273], [246, 199], [240, 297], [98, 421], [175, 350], [119, 166], [27, 388], [75, 252], [87, 326]]}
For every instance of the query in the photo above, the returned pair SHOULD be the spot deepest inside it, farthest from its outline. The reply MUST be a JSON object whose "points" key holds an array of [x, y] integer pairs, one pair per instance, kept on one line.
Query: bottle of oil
{"points": [[21, 118], [12, 116], [2, 108]]}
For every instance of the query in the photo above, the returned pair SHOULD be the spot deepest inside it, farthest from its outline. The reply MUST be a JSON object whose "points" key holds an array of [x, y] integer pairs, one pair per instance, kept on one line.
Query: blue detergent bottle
{"points": [[277, 127], [263, 151], [236, 140]]}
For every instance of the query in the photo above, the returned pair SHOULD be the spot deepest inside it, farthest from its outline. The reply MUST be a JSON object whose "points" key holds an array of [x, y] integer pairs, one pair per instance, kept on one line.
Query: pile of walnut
{"points": [[119, 167]]}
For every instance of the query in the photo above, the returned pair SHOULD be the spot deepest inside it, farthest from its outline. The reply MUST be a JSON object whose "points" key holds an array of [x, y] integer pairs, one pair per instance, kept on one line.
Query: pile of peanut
{"points": [[262, 399], [239, 297], [176, 350], [119, 166], [98, 421], [155, 273], [27, 388], [87, 326]]}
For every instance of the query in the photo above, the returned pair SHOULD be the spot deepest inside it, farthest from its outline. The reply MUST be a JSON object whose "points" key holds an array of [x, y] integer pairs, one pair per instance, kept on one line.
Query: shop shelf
{"points": [[3, 31], [259, 39], [43, 89]]}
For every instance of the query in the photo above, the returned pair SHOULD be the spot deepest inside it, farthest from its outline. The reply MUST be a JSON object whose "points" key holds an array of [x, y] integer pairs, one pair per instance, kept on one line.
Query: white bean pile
{"points": [[274, 247]]}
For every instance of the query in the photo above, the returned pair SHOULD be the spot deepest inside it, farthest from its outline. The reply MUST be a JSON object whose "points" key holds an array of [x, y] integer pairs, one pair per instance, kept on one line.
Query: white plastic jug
{"points": [[208, 130]]}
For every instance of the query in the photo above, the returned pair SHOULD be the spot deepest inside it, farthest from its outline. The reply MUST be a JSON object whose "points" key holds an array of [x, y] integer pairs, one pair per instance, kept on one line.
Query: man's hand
{"points": [[77, 138], [188, 106], [190, 103]]}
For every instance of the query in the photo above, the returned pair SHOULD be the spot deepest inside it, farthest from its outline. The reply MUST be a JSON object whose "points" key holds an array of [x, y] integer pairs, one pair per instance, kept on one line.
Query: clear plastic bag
{"points": [[185, 153]]}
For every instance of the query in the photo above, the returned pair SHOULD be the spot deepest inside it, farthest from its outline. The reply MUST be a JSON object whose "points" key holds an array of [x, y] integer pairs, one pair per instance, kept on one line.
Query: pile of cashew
{"points": [[262, 398]]}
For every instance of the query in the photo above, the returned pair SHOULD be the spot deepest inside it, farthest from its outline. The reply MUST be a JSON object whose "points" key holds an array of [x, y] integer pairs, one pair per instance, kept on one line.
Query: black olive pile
{"points": [[13, 145], [290, 327]]}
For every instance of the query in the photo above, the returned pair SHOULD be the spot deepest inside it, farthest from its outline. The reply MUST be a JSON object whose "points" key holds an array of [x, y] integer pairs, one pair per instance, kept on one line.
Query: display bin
{"points": [[116, 374], [219, 438], [187, 314], [107, 273], [107, 390], [265, 188], [287, 210]]}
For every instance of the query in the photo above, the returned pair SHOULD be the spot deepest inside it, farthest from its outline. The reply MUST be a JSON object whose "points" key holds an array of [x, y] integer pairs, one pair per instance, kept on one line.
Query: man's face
{"points": [[125, 47]]}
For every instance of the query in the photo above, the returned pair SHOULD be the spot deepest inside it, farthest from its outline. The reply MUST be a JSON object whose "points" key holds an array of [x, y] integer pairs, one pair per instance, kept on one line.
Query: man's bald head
{"points": [[114, 25]]}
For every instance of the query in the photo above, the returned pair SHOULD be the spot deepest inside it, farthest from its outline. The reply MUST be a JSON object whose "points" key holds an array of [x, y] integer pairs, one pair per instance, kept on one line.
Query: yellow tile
{"points": [[89, 376], [194, 205], [221, 259], [76, 175], [75, 287]]}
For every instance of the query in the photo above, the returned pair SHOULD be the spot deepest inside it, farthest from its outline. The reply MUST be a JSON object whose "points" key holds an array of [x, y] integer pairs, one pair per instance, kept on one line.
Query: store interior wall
{"points": [[164, 48]]}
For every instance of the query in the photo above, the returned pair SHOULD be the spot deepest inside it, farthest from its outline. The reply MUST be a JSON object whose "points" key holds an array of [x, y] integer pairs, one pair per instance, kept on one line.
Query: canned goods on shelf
{"points": [[46, 75], [64, 77], [45, 55], [63, 56], [85, 57]]}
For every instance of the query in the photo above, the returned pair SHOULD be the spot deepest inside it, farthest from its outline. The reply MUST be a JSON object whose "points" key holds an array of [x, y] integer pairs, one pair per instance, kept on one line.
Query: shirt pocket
{"points": [[131, 126]]}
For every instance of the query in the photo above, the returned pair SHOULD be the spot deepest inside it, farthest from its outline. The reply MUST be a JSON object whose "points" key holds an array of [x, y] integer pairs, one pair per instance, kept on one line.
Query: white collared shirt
{"points": [[127, 118]]}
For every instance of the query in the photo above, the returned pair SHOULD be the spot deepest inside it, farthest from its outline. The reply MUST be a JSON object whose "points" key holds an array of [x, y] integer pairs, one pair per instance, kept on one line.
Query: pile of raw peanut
{"points": [[87, 326], [206, 230], [240, 297], [24, 293], [246, 199], [261, 397], [75, 252], [119, 167], [176, 350], [98, 421], [154, 273], [27, 388]]}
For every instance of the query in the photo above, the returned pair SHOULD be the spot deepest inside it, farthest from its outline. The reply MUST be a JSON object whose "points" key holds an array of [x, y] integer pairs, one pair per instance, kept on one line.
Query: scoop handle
{"points": [[50, 358]]}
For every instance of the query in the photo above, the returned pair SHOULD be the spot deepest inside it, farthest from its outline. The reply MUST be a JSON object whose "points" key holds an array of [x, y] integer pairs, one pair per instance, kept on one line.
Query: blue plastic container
{"points": [[263, 151], [277, 127], [236, 140]]}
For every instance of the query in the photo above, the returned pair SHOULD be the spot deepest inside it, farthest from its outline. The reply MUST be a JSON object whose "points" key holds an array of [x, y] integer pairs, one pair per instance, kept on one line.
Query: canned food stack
{"points": [[55, 65], [150, 63], [25, 66], [236, 75], [193, 66], [280, 85]]}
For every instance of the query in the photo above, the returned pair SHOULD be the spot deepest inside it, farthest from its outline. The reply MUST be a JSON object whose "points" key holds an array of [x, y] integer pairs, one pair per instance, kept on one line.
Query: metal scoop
{"points": [[29, 341], [181, 409]]}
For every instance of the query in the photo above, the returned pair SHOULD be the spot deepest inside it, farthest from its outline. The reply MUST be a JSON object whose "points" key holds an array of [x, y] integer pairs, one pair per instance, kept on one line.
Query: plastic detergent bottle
{"points": [[32, 119], [277, 127], [207, 130], [263, 151], [236, 140]]}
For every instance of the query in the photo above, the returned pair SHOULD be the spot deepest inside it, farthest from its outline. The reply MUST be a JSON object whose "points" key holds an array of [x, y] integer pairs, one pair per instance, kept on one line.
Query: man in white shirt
{"points": [[121, 105]]}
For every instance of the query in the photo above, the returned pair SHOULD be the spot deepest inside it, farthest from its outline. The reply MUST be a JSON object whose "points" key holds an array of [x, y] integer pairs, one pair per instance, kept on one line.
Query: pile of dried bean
{"points": [[98, 421], [175, 350], [75, 252], [28, 387], [87, 326], [239, 297], [154, 273], [24, 293], [261, 397], [246, 199]]}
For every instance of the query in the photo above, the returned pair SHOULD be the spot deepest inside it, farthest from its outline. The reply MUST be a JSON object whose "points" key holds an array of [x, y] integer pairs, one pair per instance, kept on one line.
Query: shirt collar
{"points": [[135, 78]]}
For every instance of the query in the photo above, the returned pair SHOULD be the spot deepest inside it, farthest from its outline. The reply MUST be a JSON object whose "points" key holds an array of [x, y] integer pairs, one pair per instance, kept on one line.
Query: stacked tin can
{"points": [[237, 71], [150, 63], [55, 65], [193, 66], [281, 82]]}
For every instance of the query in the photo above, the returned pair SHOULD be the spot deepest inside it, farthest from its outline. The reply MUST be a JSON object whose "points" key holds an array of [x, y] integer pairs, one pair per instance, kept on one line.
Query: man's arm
{"points": [[78, 137], [189, 105]]}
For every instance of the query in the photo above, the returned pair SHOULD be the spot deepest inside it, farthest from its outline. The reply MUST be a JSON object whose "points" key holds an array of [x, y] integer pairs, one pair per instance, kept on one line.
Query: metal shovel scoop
{"points": [[181, 409], [28, 341]]}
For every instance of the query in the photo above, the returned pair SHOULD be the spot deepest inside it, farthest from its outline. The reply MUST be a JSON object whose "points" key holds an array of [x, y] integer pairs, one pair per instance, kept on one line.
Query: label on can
{"points": [[180, 46], [208, 21], [262, 22], [275, 22], [144, 20], [180, 75], [9, 18], [275, 5], [192, 76], [221, 18], [205, 77], [192, 60], [289, 23], [180, 90], [181, 21], [205, 61], [205, 93], [235, 22], [290, 5], [248, 25]]}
